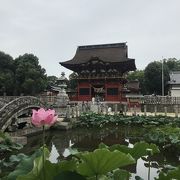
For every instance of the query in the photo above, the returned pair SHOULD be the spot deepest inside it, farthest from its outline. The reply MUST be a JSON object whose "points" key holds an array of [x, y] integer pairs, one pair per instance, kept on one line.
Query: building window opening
{"points": [[112, 91], [84, 91]]}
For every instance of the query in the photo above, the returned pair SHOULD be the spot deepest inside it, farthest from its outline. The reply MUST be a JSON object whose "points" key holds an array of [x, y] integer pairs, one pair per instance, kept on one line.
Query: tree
{"points": [[138, 75], [173, 64], [51, 80], [30, 76], [6, 74], [153, 77]]}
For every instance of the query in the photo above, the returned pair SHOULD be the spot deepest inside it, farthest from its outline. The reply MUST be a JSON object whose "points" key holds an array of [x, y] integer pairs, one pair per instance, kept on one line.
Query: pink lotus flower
{"points": [[43, 117]]}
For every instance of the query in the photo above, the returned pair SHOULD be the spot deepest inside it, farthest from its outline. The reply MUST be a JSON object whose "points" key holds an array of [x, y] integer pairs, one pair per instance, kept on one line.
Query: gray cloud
{"points": [[52, 30]]}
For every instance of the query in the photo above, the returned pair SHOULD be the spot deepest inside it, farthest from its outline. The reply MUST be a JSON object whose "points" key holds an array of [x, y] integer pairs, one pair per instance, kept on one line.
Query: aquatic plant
{"points": [[93, 119], [43, 118], [103, 163]]}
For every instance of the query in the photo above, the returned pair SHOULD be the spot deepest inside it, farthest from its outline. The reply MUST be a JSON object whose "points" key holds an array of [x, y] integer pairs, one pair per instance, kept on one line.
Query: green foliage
{"points": [[22, 75], [6, 143], [73, 81], [25, 165], [30, 77], [51, 171], [31, 168], [173, 64], [102, 161], [139, 149], [171, 174], [153, 76], [17, 158], [6, 74], [138, 178], [120, 174], [168, 136], [138, 75], [51, 80], [67, 175], [92, 119]]}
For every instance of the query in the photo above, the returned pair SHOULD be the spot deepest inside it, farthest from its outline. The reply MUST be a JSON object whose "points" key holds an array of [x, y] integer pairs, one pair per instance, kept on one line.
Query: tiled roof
{"points": [[108, 53]]}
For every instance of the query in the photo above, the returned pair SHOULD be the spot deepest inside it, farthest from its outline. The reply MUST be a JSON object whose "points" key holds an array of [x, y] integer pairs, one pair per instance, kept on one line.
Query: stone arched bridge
{"points": [[10, 110]]}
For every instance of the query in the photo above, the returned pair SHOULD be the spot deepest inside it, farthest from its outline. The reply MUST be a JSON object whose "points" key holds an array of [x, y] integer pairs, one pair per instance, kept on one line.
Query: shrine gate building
{"points": [[101, 71]]}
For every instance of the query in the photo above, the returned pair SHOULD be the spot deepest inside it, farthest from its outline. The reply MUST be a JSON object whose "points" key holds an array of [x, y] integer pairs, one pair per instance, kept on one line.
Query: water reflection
{"points": [[143, 172], [89, 139], [54, 154]]}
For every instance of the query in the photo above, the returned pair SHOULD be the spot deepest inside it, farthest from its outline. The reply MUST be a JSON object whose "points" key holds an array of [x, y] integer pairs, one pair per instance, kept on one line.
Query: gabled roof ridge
{"points": [[97, 46]]}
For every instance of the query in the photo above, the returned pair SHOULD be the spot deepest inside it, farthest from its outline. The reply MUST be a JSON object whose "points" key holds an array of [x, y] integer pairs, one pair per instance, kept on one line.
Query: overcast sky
{"points": [[52, 29]]}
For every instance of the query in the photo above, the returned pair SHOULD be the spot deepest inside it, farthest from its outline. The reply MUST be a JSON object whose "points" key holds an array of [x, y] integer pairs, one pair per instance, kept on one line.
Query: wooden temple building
{"points": [[101, 71]]}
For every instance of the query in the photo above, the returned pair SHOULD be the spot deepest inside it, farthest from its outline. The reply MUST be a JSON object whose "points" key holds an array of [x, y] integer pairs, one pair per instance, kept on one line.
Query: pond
{"points": [[89, 139]]}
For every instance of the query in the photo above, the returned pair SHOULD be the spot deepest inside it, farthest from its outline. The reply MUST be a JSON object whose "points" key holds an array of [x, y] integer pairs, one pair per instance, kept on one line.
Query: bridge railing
{"points": [[45, 99], [9, 98], [18, 104]]}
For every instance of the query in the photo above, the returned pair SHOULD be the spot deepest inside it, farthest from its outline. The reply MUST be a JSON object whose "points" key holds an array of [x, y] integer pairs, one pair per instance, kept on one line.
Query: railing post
{"points": [[99, 108], [106, 109], [77, 111], [135, 110], [165, 111], [115, 109], [125, 109], [155, 110], [176, 111], [145, 110]]}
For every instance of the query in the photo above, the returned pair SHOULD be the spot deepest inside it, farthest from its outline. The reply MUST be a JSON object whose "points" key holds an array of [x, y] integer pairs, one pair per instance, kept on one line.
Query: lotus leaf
{"points": [[101, 161], [25, 165], [172, 174], [139, 149]]}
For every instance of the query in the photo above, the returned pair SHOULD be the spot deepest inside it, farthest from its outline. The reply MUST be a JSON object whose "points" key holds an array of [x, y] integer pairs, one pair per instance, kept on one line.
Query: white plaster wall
{"points": [[175, 92]]}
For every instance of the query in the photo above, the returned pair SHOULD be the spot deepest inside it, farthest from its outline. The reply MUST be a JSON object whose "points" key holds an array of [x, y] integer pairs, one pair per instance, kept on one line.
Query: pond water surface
{"points": [[89, 139]]}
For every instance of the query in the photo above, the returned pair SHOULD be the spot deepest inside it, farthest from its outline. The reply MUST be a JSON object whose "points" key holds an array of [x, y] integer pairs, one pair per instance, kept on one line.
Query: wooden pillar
{"points": [[78, 91]]}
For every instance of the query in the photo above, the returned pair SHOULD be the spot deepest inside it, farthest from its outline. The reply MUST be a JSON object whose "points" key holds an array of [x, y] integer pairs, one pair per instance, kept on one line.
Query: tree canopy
{"points": [[6, 73], [151, 77], [138, 75], [23, 75], [30, 76]]}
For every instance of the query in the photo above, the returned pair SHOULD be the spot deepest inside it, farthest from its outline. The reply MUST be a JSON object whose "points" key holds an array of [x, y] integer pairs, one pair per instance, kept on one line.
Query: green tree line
{"points": [[151, 77], [22, 75]]}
